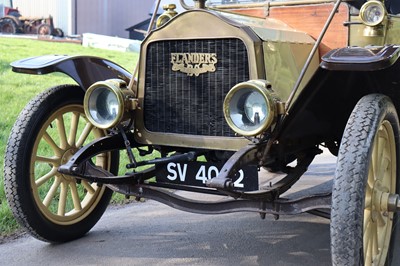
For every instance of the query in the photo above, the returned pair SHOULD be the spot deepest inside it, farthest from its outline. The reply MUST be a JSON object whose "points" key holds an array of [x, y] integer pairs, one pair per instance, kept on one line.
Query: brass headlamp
{"points": [[250, 107], [107, 103], [372, 13]]}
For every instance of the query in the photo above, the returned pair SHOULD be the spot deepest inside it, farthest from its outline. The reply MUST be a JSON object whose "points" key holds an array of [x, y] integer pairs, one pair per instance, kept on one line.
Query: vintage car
{"points": [[222, 91]]}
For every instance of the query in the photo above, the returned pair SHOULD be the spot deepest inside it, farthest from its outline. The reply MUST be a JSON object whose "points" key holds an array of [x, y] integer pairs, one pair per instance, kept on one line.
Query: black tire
{"points": [[58, 32], [51, 206], [8, 26], [366, 167]]}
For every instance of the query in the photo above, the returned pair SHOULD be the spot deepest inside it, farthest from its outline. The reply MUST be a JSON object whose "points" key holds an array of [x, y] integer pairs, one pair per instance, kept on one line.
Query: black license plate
{"points": [[197, 173]]}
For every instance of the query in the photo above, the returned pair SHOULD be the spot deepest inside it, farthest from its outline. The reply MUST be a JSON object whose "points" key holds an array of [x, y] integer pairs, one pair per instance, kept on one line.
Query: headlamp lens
{"points": [[103, 106], [248, 109], [255, 107]]}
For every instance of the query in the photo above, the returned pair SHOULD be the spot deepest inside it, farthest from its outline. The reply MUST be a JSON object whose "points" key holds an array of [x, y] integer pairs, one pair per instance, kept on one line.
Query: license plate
{"points": [[197, 173]]}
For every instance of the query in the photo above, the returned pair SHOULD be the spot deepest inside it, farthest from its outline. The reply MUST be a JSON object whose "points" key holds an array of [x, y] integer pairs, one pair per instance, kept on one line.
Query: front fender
{"points": [[85, 70]]}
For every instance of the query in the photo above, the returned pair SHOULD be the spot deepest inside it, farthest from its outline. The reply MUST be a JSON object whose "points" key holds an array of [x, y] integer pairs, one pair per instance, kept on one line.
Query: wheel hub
{"points": [[393, 203], [383, 201], [64, 159]]}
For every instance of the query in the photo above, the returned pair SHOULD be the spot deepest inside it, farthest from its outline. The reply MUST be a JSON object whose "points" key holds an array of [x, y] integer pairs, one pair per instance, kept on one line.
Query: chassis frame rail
{"points": [[281, 206]]}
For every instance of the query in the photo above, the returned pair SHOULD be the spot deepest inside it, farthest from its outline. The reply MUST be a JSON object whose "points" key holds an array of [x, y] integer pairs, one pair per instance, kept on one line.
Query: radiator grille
{"points": [[175, 102]]}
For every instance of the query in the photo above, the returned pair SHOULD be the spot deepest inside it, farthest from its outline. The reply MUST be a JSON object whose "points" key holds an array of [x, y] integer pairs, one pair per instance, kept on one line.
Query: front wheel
{"points": [[362, 226], [58, 32], [51, 206]]}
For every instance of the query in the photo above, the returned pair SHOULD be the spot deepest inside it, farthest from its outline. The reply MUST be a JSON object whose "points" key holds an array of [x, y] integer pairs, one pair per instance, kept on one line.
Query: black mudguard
{"points": [[85, 70], [361, 58]]}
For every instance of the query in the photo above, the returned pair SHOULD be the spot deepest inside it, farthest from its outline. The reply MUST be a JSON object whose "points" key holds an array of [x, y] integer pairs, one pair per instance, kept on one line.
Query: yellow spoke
{"points": [[374, 159], [52, 192], [367, 242], [75, 196], [370, 247], [383, 166], [380, 153], [370, 180], [74, 128], [50, 160], [386, 180], [368, 197], [85, 133], [62, 202], [53, 145], [40, 181], [61, 132], [381, 144], [381, 230], [101, 159], [88, 187], [367, 226], [375, 243]]}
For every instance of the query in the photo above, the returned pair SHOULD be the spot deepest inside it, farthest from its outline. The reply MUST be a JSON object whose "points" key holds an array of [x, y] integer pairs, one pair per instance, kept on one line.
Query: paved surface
{"points": [[150, 233]]}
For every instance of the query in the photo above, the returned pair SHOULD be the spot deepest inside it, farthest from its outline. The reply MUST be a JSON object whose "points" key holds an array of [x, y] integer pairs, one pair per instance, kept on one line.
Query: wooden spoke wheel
{"points": [[52, 206], [366, 178]]}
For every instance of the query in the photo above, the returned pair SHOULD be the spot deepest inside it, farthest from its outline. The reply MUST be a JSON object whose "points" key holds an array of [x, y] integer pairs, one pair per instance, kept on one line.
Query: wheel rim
{"points": [[61, 198], [381, 183], [44, 30], [7, 28]]}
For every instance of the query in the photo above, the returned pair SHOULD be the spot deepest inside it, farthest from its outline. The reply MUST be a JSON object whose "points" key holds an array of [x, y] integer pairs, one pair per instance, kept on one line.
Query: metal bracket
{"points": [[244, 156], [93, 173], [105, 144]]}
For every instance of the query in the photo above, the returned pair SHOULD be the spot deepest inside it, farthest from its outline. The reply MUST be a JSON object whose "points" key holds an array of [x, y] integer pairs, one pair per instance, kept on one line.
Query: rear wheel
{"points": [[52, 206], [8, 26], [362, 227]]}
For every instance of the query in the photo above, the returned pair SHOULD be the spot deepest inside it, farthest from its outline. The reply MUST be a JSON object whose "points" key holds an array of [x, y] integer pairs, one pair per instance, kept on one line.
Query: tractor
{"points": [[12, 22]]}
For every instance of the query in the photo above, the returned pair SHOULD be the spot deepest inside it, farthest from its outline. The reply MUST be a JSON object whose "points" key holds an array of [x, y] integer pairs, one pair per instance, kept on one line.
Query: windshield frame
{"points": [[243, 4]]}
